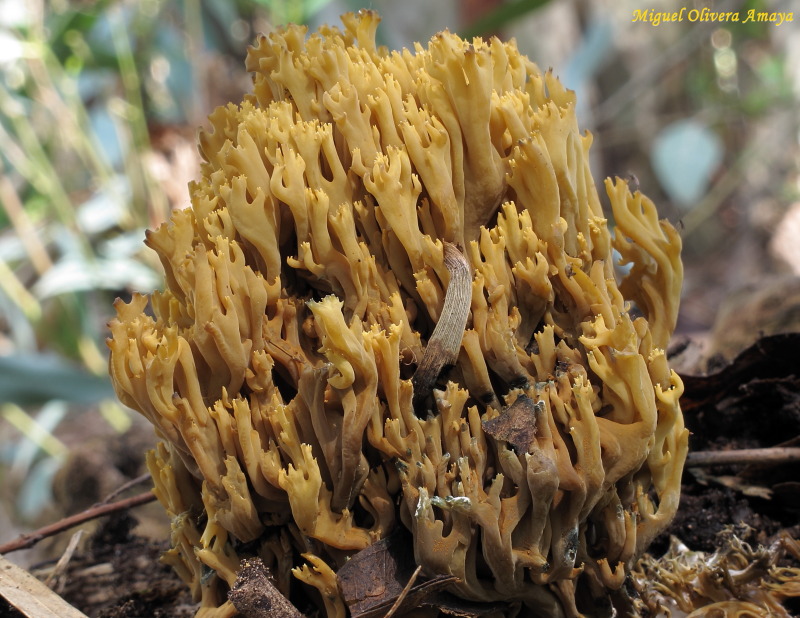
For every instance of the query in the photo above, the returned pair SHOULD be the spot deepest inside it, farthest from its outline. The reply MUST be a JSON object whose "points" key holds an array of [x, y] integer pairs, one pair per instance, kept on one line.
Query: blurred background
{"points": [[99, 107]]}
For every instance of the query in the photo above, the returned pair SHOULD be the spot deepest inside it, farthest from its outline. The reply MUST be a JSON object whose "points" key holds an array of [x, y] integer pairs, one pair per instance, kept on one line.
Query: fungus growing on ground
{"points": [[361, 216], [735, 581]]}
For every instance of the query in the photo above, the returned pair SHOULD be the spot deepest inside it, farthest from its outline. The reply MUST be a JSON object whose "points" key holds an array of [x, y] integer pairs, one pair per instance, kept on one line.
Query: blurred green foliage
{"points": [[86, 86]]}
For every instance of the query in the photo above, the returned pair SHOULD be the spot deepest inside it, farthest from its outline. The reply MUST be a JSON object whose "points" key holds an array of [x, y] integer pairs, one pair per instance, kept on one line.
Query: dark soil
{"points": [[120, 576], [753, 402]]}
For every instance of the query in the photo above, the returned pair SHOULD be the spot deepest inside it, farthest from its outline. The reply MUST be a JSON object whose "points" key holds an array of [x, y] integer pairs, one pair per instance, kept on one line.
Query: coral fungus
{"points": [[360, 212], [736, 581]]}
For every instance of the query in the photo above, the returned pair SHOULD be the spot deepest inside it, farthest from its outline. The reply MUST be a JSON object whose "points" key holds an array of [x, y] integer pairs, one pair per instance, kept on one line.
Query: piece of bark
{"points": [[255, 596], [374, 580], [30, 596]]}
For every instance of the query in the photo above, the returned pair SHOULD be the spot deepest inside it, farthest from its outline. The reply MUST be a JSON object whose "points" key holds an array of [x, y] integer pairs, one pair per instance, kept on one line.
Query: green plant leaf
{"points": [[29, 379], [79, 275], [37, 491], [106, 209], [501, 16], [685, 154]]}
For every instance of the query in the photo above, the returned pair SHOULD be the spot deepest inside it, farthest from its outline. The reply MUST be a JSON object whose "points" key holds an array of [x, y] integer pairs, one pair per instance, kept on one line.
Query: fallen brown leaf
{"points": [[516, 424]]}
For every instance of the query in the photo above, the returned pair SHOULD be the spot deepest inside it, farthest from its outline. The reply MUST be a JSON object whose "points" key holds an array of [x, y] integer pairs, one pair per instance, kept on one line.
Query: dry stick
{"points": [[26, 541], [770, 456], [404, 593], [445, 341], [63, 562], [125, 487]]}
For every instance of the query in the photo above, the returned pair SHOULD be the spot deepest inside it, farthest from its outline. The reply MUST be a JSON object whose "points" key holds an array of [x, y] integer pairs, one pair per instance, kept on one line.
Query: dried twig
{"points": [[768, 456], [404, 593], [53, 579], [26, 541], [445, 341], [139, 480]]}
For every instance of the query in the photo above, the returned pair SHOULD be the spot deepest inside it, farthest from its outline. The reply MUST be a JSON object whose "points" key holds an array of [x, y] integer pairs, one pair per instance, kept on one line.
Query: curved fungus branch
{"points": [[364, 212]]}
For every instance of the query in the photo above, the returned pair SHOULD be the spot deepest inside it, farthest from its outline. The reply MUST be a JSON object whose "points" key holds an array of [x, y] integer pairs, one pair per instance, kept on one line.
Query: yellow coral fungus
{"points": [[304, 285]]}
